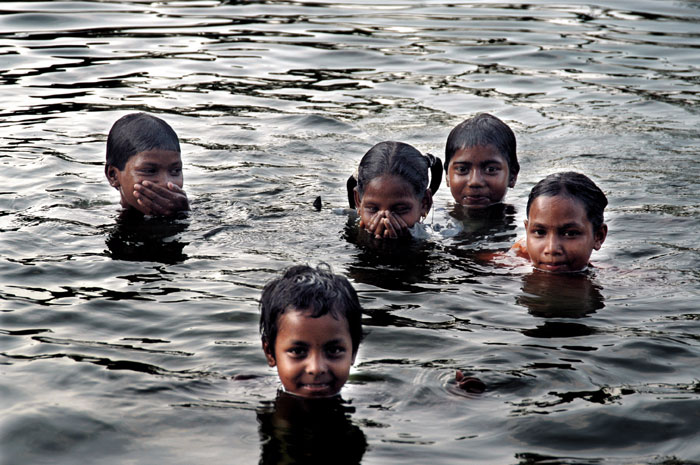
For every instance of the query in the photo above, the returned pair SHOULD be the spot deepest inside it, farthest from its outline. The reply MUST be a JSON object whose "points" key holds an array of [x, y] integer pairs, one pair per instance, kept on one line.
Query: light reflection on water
{"points": [[124, 341]]}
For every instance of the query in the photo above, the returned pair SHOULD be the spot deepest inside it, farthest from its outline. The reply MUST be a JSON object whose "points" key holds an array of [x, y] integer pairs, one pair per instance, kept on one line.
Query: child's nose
{"points": [[553, 245], [164, 178], [475, 178], [316, 365]]}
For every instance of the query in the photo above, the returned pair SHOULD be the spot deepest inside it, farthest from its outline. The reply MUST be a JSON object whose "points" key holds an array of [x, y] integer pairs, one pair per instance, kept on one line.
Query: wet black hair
{"points": [[483, 129], [577, 186], [316, 290], [135, 133], [397, 159]]}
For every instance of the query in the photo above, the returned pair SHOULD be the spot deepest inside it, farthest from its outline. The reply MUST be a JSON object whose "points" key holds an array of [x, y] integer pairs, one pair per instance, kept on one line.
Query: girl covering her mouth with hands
{"points": [[391, 191]]}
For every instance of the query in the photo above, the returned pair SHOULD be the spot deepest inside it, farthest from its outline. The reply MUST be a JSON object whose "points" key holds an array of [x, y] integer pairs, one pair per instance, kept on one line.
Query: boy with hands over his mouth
{"points": [[144, 164]]}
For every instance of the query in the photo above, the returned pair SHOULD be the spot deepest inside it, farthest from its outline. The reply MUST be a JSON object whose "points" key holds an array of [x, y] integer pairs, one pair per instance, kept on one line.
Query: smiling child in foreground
{"points": [[144, 165], [564, 223], [311, 327]]}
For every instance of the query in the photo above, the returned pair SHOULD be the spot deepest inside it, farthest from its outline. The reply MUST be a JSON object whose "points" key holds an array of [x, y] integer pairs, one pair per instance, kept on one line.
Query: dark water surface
{"points": [[124, 342]]}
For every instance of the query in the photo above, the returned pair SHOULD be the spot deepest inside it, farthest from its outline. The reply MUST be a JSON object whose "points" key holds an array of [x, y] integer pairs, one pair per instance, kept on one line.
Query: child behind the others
{"points": [[311, 327], [481, 161], [144, 165], [391, 191], [564, 223]]}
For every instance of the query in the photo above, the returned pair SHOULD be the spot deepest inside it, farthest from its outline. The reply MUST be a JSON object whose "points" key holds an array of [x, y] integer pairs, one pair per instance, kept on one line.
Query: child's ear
{"points": [[356, 193], [512, 177], [427, 202], [525, 223], [268, 355], [112, 172], [599, 236]]}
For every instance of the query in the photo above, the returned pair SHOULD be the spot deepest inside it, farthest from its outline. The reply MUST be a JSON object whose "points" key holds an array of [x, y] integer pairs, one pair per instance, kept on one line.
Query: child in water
{"points": [[311, 327], [564, 223], [480, 161], [391, 191], [144, 165]]}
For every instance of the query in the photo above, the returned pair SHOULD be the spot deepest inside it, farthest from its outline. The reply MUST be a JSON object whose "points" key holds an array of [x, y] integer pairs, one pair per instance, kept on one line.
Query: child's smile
{"points": [[479, 176], [560, 238], [313, 356]]}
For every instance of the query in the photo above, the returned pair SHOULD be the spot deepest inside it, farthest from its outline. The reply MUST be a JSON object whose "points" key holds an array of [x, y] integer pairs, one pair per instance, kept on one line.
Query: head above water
{"points": [[400, 160], [576, 186], [136, 133], [483, 130], [564, 223], [144, 164], [314, 290]]}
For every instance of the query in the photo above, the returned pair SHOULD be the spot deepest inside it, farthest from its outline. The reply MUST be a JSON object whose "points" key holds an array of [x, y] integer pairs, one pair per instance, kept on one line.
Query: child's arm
{"points": [[520, 249], [161, 200]]}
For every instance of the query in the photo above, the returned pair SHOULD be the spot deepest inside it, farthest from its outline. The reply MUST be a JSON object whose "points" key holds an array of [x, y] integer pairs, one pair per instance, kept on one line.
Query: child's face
{"points": [[313, 356], [391, 194], [560, 238], [159, 167], [479, 176]]}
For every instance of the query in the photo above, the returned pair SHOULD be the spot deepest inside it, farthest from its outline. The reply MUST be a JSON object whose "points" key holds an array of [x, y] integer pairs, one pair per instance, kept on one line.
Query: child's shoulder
{"points": [[520, 248]]}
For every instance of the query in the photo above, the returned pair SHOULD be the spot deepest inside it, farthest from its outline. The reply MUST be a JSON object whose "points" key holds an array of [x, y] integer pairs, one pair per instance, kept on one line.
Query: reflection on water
{"points": [[136, 237], [294, 430], [571, 295], [395, 264], [549, 295], [493, 224]]}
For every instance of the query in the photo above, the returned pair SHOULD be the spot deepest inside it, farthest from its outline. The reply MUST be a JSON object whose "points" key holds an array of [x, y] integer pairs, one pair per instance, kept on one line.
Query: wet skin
{"points": [[389, 207], [560, 238], [151, 182], [478, 176], [313, 356]]}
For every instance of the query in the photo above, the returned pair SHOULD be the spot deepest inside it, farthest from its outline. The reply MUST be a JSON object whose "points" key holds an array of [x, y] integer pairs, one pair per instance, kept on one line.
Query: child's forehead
{"points": [[157, 155], [487, 147], [563, 205], [292, 312], [390, 184]]}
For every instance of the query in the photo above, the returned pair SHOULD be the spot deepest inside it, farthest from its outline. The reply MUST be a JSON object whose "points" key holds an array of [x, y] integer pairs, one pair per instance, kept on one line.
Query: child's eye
{"points": [[371, 209], [538, 232], [176, 171], [335, 351], [402, 210], [492, 169], [461, 169], [297, 352], [572, 233]]}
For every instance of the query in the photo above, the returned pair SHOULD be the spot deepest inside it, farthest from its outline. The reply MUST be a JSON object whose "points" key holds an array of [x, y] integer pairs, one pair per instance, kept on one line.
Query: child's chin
{"points": [[314, 392], [133, 208], [559, 269], [480, 207]]}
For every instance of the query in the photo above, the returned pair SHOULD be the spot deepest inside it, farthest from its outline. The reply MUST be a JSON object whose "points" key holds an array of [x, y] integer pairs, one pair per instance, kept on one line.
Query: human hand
{"points": [[161, 200], [394, 226], [375, 226], [469, 384], [385, 224]]}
